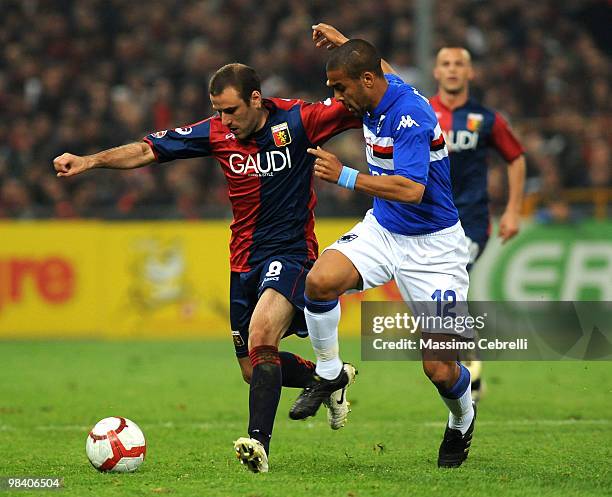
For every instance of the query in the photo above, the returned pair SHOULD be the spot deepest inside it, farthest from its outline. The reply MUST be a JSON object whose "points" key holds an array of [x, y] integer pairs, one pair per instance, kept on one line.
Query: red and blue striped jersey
{"points": [[269, 175], [470, 131]]}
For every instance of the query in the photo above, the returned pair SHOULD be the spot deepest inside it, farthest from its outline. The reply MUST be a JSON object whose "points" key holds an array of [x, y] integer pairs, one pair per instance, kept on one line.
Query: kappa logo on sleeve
{"points": [[407, 122], [159, 134]]}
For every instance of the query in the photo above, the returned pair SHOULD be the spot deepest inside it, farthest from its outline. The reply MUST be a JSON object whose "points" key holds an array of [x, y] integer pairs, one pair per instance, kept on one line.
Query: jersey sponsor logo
{"points": [[407, 122], [281, 135], [474, 121], [349, 237], [159, 134], [184, 131], [237, 337], [260, 164], [461, 139]]}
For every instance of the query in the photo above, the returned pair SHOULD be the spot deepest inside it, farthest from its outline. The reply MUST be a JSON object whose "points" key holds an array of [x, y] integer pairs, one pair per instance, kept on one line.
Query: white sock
{"points": [[458, 399], [461, 411], [323, 332]]}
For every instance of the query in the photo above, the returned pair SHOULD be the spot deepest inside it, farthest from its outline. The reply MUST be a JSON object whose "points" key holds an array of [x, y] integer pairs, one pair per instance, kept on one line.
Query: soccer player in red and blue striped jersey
{"points": [[260, 144], [471, 130]]}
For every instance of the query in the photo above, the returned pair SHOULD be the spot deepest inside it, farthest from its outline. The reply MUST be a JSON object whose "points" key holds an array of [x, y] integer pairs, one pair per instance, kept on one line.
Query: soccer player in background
{"points": [[412, 235], [470, 130], [260, 143]]}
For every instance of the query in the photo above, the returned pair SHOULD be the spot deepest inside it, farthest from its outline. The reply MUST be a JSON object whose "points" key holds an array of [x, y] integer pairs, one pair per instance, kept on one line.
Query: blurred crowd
{"points": [[83, 75]]}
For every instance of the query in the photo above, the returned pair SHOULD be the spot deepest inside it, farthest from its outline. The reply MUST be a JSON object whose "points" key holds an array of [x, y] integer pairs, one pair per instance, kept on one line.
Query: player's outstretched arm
{"points": [[128, 156], [393, 187], [326, 36], [509, 224]]}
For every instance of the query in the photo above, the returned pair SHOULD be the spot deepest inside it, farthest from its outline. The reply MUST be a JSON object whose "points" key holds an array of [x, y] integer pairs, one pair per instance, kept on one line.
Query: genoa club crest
{"points": [[474, 122], [281, 135]]}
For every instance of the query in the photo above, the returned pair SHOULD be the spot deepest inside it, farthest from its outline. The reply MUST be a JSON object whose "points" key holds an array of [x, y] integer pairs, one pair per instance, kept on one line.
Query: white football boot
{"points": [[337, 404], [252, 454]]}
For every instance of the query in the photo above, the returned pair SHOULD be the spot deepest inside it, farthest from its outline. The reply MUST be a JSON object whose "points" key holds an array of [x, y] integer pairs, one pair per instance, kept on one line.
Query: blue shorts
{"points": [[286, 275]]}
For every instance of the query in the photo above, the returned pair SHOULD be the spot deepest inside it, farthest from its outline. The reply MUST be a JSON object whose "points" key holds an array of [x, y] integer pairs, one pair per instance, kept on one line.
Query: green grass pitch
{"points": [[544, 429]]}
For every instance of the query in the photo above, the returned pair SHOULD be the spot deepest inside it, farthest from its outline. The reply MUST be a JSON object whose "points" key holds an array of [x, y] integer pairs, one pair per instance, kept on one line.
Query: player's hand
{"points": [[508, 225], [69, 165], [326, 36], [326, 165]]}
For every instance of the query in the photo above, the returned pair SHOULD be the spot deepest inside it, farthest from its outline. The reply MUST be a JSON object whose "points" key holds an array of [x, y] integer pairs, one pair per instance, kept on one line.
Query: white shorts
{"points": [[420, 265]]}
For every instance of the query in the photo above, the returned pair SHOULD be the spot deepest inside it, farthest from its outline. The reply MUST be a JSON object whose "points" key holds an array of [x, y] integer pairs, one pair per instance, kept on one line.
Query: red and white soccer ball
{"points": [[116, 444]]}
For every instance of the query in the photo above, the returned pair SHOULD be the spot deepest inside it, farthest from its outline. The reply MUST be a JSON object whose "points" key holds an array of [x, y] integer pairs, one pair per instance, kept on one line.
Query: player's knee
{"points": [[261, 335], [440, 373], [320, 286]]}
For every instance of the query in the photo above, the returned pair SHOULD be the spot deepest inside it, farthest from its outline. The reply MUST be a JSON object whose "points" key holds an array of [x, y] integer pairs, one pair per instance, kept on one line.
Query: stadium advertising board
{"points": [[548, 262], [124, 280], [171, 279]]}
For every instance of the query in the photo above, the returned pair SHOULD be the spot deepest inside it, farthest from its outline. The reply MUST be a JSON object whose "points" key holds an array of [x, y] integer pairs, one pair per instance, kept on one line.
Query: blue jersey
{"points": [[269, 174], [470, 131], [403, 137]]}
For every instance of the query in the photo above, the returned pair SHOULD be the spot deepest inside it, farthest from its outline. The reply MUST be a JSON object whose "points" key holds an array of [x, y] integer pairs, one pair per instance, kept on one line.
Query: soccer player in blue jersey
{"points": [[470, 131], [260, 144], [412, 235]]}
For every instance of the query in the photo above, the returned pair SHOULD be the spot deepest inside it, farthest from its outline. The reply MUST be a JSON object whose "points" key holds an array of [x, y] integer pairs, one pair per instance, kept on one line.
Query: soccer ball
{"points": [[116, 444]]}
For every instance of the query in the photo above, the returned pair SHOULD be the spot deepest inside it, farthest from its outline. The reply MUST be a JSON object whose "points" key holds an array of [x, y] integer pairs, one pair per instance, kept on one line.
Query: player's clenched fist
{"points": [[69, 165], [326, 165]]}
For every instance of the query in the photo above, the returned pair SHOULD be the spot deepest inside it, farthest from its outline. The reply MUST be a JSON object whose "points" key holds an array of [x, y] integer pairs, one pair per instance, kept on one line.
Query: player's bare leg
{"points": [[452, 380], [471, 358], [474, 365], [331, 276], [269, 322]]}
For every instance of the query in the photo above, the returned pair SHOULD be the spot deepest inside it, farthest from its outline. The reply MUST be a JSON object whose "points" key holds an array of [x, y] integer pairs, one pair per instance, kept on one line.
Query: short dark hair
{"points": [[355, 57], [239, 76]]}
